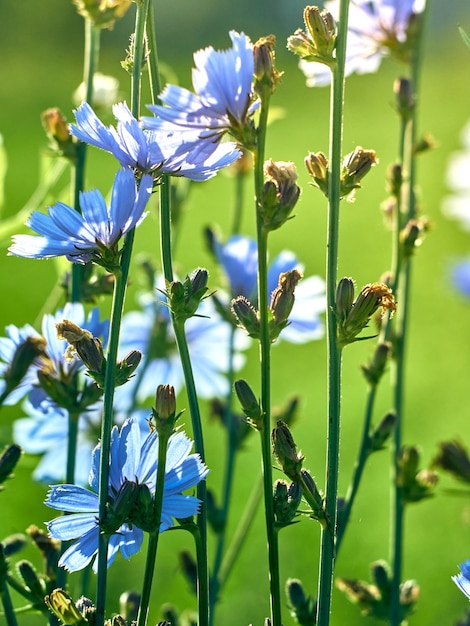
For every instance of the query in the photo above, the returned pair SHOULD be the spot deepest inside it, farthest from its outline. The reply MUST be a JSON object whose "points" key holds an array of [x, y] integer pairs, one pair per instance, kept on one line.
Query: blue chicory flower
{"points": [[461, 277], [376, 28], [158, 152], [457, 205], [8, 347], [223, 99], [239, 259], [54, 362], [150, 331], [86, 237], [132, 459], [462, 580]]}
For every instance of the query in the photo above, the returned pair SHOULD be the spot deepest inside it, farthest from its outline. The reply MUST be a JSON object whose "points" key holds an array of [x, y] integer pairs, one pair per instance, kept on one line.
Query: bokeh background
{"points": [[42, 48]]}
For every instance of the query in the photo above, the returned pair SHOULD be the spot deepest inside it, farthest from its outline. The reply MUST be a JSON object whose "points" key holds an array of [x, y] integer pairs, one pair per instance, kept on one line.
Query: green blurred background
{"points": [[42, 65]]}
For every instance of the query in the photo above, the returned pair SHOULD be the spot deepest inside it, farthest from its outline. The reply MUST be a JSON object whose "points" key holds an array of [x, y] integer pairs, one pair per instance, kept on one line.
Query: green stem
{"points": [[238, 199], [265, 363], [8, 610], [358, 468], [328, 536], [153, 538], [120, 286], [153, 65], [233, 551]]}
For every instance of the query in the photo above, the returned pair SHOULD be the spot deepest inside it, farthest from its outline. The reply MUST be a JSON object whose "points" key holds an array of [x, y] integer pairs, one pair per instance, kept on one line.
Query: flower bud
{"points": [[318, 41], [395, 179], [164, 414], [8, 460], [48, 547], [314, 498], [286, 452], [26, 353], [279, 195], [416, 485], [184, 298], [126, 367], [282, 301], [412, 235], [266, 74], [31, 579], [405, 99], [63, 607], [286, 501], [302, 607], [317, 166], [247, 316], [13, 544], [189, 569], [102, 13], [57, 131], [250, 405], [82, 344], [344, 298], [129, 603], [453, 457], [355, 166], [380, 574], [382, 432]]}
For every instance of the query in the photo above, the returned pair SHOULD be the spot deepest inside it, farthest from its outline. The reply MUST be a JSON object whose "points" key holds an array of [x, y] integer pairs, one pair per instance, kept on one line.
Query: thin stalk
{"points": [[358, 467], [153, 538], [91, 55], [120, 286], [328, 536], [153, 65], [265, 364], [238, 199], [8, 610], [398, 505], [233, 551], [227, 485]]}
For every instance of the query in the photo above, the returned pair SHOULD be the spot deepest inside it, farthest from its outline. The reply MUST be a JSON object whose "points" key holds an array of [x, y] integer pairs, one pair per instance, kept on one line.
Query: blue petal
{"points": [[181, 506], [72, 526], [72, 498], [80, 554]]}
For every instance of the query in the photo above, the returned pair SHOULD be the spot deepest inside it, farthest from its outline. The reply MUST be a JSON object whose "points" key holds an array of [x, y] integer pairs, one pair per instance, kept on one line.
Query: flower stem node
{"points": [[381, 434], [375, 369], [164, 414], [184, 297], [353, 318], [265, 72], [64, 608], [356, 165], [302, 608], [250, 405], [279, 195], [286, 502], [317, 42], [317, 166], [286, 451]]}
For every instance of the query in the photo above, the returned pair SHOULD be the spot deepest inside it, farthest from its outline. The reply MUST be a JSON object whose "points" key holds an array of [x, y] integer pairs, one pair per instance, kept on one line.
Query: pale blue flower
{"points": [[54, 361], [151, 332], [376, 28], [462, 580], [133, 459], [239, 259], [223, 99], [45, 432], [158, 152], [461, 277], [93, 234], [457, 205], [8, 346]]}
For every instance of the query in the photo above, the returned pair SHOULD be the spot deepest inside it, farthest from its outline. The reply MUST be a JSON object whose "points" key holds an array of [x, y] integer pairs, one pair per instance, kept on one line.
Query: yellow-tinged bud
{"points": [[57, 130], [317, 166], [318, 42], [266, 74], [102, 13], [282, 301], [355, 166], [279, 195], [63, 607], [164, 414]]}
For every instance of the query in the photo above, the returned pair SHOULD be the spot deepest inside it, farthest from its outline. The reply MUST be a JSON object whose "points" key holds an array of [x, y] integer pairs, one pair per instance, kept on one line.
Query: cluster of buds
{"points": [[280, 307], [279, 194], [416, 484], [303, 608], [184, 297], [317, 42], [266, 74], [374, 598], [353, 315], [356, 165], [89, 349], [286, 498]]}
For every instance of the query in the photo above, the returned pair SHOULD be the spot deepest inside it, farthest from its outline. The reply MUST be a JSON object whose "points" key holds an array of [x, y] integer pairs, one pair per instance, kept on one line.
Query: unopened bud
{"points": [[412, 235], [249, 403], [127, 367], [318, 41], [302, 606], [395, 179], [280, 193], [286, 451], [82, 344], [13, 544], [453, 457], [31, 579], [405, 99], [8, 460], [129, 603], [48, 547], [317, 167], [266, 74], [164, 414], [57, 130], [344, 299], [189, 568], [247, 316], [286, 501], [374, 370], [355, 166], [25, 355], [102, 13], [382, 432], [282, 301]]}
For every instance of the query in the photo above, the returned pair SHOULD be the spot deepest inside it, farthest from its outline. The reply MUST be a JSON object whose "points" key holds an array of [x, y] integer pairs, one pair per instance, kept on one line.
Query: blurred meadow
{"points": [[42, 66]]}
